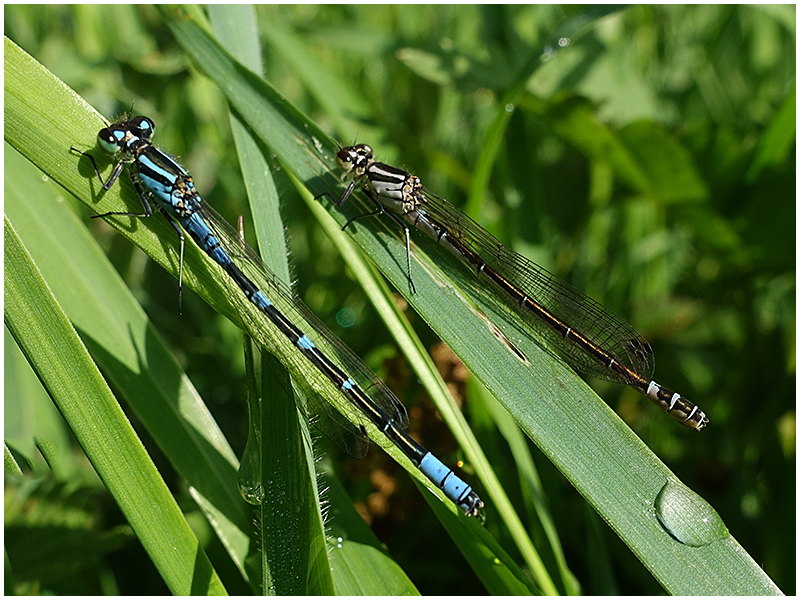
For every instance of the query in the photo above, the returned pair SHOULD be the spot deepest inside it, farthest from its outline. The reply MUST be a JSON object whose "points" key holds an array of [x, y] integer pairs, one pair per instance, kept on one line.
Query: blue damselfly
{"points": [[588, 336], [361, 395]]}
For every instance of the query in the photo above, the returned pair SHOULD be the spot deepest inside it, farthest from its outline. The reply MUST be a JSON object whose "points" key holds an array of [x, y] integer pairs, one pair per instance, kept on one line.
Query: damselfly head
{"points": [[119, 136]]}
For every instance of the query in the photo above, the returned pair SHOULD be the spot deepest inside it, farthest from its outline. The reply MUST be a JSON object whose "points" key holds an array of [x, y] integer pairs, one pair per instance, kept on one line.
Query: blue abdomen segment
{"points": [[204, 237], [444, 478]]}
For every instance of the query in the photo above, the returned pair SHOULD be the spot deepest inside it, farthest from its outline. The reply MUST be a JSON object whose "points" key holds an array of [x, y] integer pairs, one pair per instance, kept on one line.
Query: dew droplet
{"points": [[336, 541], [252, 494], [687, 517], [249, 475]]}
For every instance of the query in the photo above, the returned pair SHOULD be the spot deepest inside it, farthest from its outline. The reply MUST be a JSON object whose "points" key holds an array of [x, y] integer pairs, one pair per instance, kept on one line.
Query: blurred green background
{"points": [[650, 162]]}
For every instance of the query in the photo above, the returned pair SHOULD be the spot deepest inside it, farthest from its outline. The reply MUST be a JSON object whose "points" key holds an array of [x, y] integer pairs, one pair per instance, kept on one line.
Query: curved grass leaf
{"points": [[608, 464], [64, 366]]}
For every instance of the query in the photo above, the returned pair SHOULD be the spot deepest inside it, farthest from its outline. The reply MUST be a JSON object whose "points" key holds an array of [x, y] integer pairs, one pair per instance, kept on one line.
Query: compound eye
{"points": [[141, 128], [147, 126], [344, 155], [109, 139]]}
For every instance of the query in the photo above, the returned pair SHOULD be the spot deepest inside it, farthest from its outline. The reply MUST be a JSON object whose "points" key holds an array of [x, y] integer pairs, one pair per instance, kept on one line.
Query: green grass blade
{"points": [[63, 364], [608, 464], [422, 364], [300, 567], [128, 349]]}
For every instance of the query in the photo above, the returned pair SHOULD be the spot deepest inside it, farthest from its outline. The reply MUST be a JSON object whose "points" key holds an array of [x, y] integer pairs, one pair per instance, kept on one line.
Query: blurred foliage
{"points": [[649, 160]]}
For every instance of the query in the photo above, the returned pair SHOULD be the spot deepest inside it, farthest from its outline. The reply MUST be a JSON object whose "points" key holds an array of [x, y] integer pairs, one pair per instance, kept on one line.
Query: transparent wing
{"points": [[571, 306]]}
